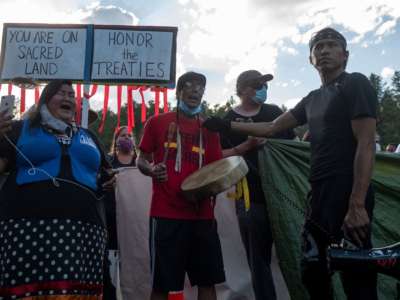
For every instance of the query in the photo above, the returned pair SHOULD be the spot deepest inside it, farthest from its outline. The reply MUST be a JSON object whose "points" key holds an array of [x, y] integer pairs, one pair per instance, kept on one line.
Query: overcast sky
{"points": [[222, 38]]}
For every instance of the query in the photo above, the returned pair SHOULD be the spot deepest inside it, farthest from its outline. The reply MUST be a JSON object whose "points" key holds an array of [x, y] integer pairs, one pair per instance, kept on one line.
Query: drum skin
{"points": [[214, 178]]}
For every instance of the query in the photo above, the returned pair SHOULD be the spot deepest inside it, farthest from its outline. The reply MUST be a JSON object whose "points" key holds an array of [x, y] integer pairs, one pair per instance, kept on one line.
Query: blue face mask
{"points": [[260, 96], [188, 110]]}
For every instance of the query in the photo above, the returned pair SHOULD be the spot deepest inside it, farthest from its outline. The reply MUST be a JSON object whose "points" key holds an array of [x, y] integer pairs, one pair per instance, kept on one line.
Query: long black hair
{"points": [[48, 92]]}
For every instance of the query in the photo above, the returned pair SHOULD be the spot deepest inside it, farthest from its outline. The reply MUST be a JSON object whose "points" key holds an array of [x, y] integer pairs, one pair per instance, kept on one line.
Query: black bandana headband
{"points": [[327, 33]]}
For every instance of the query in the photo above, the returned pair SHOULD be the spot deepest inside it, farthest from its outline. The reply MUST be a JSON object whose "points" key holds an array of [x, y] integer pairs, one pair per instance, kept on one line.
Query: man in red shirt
{"points": [[183, 234]]}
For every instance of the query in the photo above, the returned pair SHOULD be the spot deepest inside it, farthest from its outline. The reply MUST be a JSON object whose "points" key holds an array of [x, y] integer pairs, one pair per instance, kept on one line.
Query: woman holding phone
{"points": [[52, 229]]}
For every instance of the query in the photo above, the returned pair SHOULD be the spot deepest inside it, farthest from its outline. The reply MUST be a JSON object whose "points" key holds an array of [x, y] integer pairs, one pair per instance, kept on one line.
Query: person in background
{"points": [[306, 137], [391, 148], [378, 147], [122, 154], [397, 149], [183, 233], [123, 151], [341, 115], [255, 229], [52, 223]]}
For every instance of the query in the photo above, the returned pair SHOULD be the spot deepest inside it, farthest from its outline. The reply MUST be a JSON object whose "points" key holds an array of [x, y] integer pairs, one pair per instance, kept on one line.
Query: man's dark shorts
{"points": [[184, 246]]}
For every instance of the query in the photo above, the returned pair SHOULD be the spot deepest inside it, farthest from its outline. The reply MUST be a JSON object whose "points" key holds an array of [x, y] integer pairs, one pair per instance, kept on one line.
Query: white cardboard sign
{"points": [[132, 55], [44, 53]]}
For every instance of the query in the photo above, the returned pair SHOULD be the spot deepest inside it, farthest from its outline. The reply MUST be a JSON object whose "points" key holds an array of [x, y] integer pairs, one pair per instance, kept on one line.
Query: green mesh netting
{"points": [[284, 168]]}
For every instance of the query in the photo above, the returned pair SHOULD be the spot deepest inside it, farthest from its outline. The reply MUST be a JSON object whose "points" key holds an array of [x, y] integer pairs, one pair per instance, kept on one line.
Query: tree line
{"points": [[388, 122]]}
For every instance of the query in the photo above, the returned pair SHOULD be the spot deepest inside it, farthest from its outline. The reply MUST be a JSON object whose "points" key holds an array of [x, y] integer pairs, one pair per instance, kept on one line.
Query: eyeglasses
{"points": [[194, 87]]}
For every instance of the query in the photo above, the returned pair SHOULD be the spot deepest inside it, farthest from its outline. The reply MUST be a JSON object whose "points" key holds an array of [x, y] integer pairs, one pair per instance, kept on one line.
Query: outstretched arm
{"points": [[264, 129]]}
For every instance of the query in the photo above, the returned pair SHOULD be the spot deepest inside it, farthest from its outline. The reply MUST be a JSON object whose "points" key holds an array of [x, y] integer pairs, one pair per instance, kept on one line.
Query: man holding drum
{"points": [[183, 233], [251, 87], [341, 115]]}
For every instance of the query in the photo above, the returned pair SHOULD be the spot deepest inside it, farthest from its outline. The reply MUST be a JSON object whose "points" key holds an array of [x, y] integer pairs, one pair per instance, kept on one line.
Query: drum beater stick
{"points": [[170, 136]]}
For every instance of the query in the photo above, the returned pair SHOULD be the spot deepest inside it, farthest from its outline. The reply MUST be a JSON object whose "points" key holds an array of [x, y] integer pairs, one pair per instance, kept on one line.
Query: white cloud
{"points": [[249, 34], [290, 103], [383, 52], [282, 84], [386, 28], [295, 82], [290, 50], [183, 2], [41, 11], [355, 18], [387, 72], [365, 44], [109, 15], [64, 11]]}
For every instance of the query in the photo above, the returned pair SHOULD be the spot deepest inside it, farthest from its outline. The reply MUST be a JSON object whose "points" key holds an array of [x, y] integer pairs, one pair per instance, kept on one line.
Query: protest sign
{"points": [[89, 53], [141, 54], [43, 52]]}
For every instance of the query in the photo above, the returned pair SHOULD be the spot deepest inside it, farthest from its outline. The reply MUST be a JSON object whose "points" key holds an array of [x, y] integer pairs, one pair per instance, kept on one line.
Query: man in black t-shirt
{"points": [[251, 87], [341, 115]]}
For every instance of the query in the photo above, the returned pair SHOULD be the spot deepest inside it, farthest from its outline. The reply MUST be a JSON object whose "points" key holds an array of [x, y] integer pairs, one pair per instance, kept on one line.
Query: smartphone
{"points": [[7, 104]]}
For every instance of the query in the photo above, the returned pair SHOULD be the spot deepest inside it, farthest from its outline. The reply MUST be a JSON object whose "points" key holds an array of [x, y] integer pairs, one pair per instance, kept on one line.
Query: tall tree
{"points": [[396, 85], [389, 125], [388, 108], [378, 85]]}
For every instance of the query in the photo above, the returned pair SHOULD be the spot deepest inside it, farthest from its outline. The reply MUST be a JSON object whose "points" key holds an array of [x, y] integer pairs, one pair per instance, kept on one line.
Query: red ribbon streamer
{"points": [[143, 106], [165, 94], [37, 94], [78, 113], [130, 110], [91, 94], [156, 90], [105, 107], [10, 87], [23, 97], [119, 101]]}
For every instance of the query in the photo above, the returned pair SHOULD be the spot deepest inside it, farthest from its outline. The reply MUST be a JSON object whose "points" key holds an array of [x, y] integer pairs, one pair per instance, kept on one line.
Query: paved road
{"points": [[281, 289]]}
